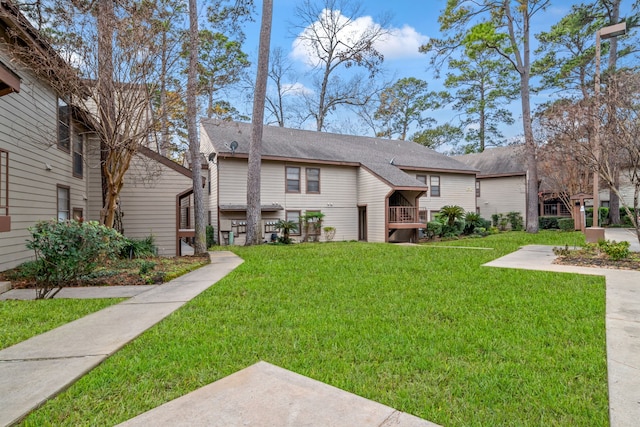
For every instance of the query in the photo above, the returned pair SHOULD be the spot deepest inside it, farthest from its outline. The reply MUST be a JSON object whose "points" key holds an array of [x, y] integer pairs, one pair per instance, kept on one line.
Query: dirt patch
{"points": [[120, 272]]}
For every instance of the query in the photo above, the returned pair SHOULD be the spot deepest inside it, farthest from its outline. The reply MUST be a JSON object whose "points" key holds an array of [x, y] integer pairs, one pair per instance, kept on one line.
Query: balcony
{"points": [[404, 217]]}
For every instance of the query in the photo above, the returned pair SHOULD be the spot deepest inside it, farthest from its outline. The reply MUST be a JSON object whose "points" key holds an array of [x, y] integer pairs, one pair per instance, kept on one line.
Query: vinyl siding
{"points": [[148, 201], [502, 195], [338, 192], [28, 131], [372, 192], [626, 190], [455, 189]]}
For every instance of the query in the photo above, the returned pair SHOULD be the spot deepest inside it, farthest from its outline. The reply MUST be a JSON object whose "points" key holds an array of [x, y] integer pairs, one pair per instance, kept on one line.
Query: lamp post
{"points": [[604, 33]]}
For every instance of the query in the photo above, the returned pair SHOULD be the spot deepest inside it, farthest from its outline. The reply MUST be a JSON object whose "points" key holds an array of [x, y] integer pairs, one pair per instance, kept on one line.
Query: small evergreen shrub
{"points": [[615, 250], [67, 250], [434, 228], [566, 224], [139, 248], [515, 220], [548, 222], [210, 235]]}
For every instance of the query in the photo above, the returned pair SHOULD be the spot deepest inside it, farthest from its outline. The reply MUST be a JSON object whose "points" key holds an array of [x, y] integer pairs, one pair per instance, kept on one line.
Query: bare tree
{"points": [[280, 69], [255, 150], [327, 35], [621, 125]]}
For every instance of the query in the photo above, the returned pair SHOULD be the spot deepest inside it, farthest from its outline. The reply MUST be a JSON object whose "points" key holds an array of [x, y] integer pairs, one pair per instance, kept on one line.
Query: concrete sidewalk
{"points": [[622, 325], [37, 369]]}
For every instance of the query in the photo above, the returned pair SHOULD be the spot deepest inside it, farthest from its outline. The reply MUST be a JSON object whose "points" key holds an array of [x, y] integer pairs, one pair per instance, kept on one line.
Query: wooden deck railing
{"points": [[403, 214]]}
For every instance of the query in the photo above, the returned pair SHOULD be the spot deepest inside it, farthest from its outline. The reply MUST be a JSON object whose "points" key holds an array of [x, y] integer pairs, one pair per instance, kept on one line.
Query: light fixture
{"points": [[48, 167]]}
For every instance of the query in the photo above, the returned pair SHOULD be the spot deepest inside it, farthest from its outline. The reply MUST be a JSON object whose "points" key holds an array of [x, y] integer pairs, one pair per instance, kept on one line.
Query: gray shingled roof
{"points": [[509, 160], [386, 158]]}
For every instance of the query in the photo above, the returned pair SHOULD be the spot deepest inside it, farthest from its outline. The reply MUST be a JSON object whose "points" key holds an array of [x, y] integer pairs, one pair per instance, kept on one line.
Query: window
{"points": [[313, 180], [64, 121], [78, 156], [5, 219], [477, 188], [435, 186], [78, 214], [422, 179], [63, 203], [293, 179], [294, 216]]}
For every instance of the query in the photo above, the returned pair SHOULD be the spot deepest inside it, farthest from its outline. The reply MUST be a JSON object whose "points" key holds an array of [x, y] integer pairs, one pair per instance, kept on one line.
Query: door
{"points": [[362, 223]]}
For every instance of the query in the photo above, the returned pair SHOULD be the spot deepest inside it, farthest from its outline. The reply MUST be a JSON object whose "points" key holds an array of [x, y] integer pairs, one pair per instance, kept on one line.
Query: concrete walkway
{"points": [[39, 368], [622, 323]]}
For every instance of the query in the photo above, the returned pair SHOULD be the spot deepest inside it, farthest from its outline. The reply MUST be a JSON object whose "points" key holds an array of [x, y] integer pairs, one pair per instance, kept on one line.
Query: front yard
{"points": [[426, 330]]}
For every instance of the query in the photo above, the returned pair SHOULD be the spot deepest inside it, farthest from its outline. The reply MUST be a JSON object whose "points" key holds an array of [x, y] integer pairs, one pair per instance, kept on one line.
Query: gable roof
{"points": [[498, 161], [388, 159]]}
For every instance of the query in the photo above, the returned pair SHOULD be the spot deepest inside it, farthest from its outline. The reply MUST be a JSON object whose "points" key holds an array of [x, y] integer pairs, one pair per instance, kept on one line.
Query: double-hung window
{"points": [[294, 216], [477, 188], [64, 203], [313, 180], [293, 179], [78, 156], [64, 125], [5, 219], [435, 186]]}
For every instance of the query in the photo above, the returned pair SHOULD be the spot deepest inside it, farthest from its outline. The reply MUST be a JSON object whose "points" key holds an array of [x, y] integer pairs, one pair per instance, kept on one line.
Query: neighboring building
{"points": [[501, 183], [369, 189], [49, 161]]}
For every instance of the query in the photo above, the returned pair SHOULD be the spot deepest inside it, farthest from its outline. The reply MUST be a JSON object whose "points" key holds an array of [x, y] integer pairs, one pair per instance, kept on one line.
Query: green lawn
{"points": [[426, 330], [21, 320]]}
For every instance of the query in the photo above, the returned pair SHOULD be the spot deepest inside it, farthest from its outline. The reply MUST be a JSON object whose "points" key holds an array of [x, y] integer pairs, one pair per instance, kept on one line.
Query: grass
{"points": [[21, 320], [426, 330]]}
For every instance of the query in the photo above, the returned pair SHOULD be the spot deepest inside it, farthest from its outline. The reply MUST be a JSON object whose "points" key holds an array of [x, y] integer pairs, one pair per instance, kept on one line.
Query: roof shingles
{"points": [[389, 159]]}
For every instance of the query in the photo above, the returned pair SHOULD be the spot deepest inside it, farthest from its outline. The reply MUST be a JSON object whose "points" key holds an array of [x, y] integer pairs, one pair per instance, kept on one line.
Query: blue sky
{"points": [[414, 22]]}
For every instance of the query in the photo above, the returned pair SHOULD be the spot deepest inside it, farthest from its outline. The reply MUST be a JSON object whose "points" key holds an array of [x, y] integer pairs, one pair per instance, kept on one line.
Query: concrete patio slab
{"points": [[267, 395]]}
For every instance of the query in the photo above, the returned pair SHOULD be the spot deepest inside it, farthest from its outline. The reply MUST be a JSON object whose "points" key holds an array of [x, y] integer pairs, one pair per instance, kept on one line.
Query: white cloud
{"points": [[399, 43], [402, 43], [296, 89]]}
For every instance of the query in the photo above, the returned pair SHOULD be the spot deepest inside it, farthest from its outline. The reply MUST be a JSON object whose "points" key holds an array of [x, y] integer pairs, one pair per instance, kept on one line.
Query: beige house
{"points": [[368, 189], [49, 163], [501, 181]]}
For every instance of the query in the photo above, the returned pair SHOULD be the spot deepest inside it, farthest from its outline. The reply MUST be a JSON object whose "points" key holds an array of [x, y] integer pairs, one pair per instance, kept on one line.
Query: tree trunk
{"points": [[614, 200], [192, 130], [106, 107], [254, 234]]}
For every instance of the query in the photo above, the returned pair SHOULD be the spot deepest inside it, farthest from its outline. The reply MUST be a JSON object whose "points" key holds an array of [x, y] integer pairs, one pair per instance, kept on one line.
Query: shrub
{"points": [[434, 228], [471, 221], [615, 250], [566, 224], [68, 250], [143, 248], [454, 230], [548, 222], [210, 235], [286, 227], [516, 221], [449, 214]]}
